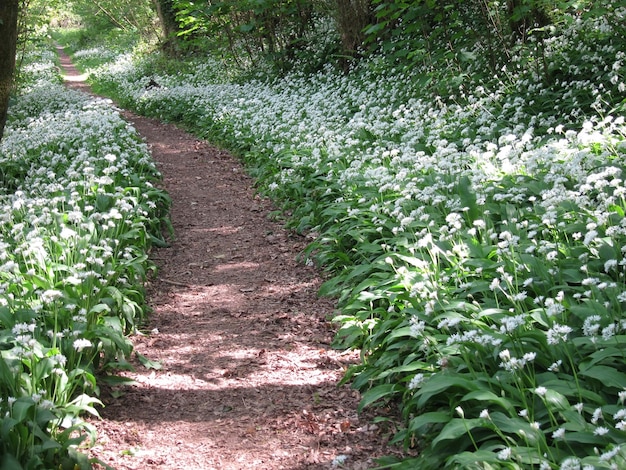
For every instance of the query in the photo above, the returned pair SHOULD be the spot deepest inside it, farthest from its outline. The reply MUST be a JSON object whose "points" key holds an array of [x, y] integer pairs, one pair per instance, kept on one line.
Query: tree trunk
{"points": [[525, 15], [8, 44], [352, 17], [169, 26]]}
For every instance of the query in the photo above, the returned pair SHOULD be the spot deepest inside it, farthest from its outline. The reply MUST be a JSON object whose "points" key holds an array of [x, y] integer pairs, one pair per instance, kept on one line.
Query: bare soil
{"points": [[248, 378]]}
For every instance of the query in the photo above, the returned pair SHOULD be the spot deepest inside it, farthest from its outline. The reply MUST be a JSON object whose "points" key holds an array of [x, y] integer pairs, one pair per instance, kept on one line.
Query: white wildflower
{"points": [[504, 454], [416, 382], [601, 431], [81, 344], [597, 416]]}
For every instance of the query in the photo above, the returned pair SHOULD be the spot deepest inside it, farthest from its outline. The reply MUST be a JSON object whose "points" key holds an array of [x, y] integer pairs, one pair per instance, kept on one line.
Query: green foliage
{"points": [[127, 15], [279, 32]]}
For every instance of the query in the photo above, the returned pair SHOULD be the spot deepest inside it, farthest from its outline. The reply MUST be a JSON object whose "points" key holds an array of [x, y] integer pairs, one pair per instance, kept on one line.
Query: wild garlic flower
{"points": [[570, 463], [558, 334], [81, 344], [596, 416], [600, 431], [505, 454], [417, 327], [416, 382]]}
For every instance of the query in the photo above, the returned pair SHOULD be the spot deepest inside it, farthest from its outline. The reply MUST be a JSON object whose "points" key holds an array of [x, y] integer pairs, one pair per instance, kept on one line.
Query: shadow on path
{"points": [[248, 378]]}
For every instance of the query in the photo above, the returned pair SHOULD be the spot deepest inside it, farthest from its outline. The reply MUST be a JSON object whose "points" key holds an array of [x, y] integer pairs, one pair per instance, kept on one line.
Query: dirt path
{"points": [[248, 379]]}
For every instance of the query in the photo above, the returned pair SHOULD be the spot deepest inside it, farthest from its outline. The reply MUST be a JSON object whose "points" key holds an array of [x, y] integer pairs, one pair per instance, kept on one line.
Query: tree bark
{"points": [[169, 26], [8, 44], [352, 17]]}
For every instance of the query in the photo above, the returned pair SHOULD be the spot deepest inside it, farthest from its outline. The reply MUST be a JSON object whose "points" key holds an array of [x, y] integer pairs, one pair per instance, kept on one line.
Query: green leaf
{"points": [[147, 363], [517, 426], [84, 403], [100, 308], [490, 397], [426, 419], [456, 428], [21, 408], [7, 320], [601, 355], [82, 460], [104, 202], [7, 426], [411, 367], [585, 437], [607, 376], [474, 460], [401, 332], [557, 401], [159, 242], [468, 196], [8, 462], [49, 444], [376, 393], [439, 383]]}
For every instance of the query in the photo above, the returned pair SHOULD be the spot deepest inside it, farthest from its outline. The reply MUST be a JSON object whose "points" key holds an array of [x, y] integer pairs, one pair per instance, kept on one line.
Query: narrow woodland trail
{"points": [[248, 380]]}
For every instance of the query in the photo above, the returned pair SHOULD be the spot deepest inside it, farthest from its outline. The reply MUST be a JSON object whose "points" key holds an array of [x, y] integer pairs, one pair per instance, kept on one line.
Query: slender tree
{"points": [[353, 16], [169, 26], [8, 43]]}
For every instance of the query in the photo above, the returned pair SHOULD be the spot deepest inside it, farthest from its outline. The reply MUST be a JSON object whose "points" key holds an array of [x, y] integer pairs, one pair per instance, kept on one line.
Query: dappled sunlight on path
{"points": [[69, 73], [246, 377]]}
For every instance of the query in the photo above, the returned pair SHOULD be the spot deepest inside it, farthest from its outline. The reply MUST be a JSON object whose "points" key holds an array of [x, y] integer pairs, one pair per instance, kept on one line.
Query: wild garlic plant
{"points": [[474, 233], [78, 212]]}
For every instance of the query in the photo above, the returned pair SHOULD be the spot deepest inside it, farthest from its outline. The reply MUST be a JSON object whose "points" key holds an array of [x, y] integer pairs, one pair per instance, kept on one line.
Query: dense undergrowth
{"points": [[472, 226], [79, 212]]}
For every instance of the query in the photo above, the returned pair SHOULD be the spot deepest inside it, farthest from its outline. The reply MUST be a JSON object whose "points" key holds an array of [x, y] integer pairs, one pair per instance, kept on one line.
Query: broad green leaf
{"points": [[104, 202], [528, 456], [21, 408], [456, 428], [398, 333], [83, 403], [81, 460], [7, 427], [513, 425], [376, 393], [439, 383], [601, 355], [8, 462], [7, 320], [100, 308], [556, 401], [467, 194], [49, 444], [475, 460], [490, 397], [585, 437], [607, 376], [430, 418]]}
